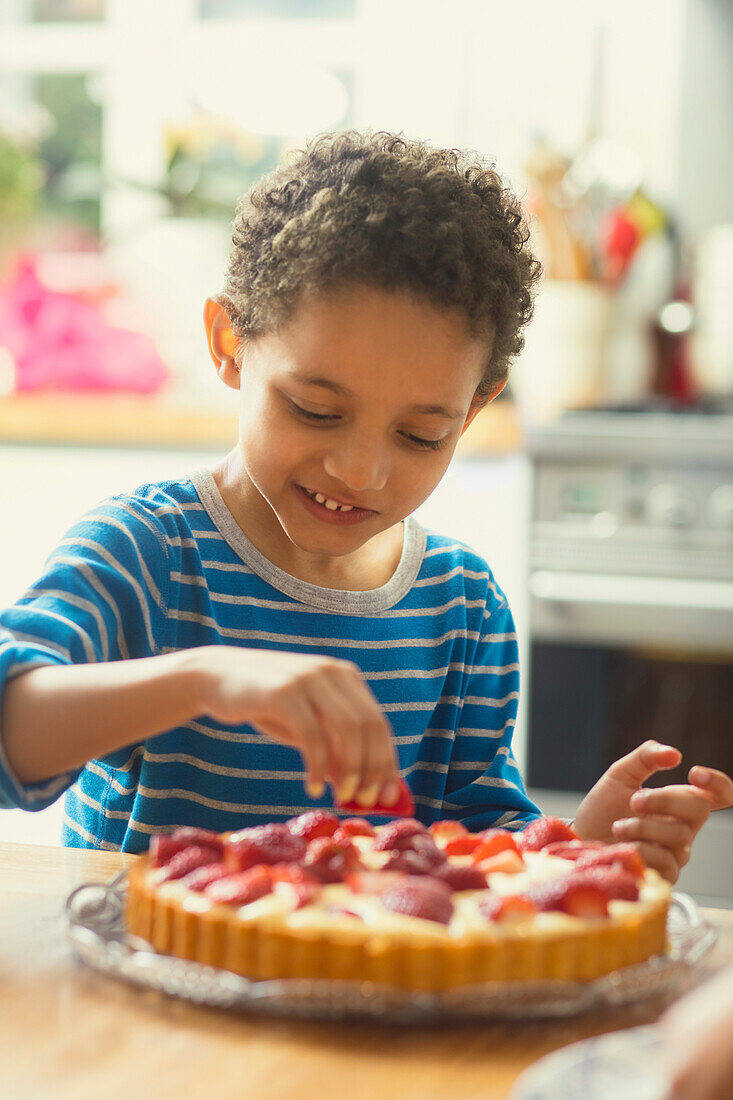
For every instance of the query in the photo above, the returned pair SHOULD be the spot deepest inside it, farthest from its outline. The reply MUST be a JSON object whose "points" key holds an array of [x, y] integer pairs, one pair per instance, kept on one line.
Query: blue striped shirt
{"points": [[166, 568]]}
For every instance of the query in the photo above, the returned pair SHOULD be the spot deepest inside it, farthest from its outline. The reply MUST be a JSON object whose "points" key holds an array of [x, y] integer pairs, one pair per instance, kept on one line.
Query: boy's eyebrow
{"points": [[336, 387]]}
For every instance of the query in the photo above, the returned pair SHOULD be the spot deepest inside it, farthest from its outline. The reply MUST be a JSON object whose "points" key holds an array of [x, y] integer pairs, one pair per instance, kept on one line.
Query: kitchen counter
{"points": [[69, 1033], [124, 421]]}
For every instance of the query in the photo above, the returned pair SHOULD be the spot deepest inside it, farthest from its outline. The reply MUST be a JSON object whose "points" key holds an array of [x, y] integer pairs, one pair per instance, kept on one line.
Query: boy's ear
{"points": [[222, 343], [480, 403]]}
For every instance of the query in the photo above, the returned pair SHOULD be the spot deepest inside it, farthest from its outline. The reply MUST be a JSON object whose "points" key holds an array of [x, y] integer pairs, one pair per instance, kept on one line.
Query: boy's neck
{"points": [[368, 568]]}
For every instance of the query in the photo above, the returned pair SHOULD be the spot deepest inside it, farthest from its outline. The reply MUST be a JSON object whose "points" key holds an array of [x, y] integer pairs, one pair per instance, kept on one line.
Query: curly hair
{"points": [[380, 210]]}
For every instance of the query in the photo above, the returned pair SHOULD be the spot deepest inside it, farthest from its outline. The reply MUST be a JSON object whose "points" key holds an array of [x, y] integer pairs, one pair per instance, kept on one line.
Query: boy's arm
{"points": [[54, 719]]}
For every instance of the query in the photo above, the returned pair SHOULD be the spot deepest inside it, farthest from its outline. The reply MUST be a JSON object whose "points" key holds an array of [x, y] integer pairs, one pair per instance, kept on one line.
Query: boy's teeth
{"points": [[331, 504]]}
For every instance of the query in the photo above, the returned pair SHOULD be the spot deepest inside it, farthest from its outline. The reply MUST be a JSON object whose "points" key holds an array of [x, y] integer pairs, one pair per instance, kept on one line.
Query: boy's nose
{"points": [[357, 468]]}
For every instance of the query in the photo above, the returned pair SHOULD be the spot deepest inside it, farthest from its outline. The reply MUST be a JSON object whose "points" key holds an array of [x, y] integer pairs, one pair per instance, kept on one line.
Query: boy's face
{"points": [[358, 402]]}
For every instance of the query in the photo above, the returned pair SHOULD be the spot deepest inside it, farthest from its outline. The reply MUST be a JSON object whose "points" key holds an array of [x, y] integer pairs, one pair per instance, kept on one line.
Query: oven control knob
{"points": [[720, 506], [670, 506]]}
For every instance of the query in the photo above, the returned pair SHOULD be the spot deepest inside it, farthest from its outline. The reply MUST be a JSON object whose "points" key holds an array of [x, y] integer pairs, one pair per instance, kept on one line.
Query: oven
{"points": [[631, 606]]}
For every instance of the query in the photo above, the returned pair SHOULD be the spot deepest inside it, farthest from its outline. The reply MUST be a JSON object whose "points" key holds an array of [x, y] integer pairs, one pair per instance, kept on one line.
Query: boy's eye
{"points": [[308, 415], [429, 444]]}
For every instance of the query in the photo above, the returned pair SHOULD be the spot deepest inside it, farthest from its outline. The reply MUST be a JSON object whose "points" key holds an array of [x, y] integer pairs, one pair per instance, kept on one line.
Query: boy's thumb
{"points": [[643, 761]]}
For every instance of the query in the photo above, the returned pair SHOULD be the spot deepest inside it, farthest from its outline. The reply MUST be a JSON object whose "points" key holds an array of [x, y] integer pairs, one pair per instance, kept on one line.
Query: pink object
{"points": [[61, 342]]}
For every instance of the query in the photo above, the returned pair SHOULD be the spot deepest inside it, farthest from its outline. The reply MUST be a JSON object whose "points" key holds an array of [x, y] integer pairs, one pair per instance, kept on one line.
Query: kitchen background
{"points": [[600, 488]]}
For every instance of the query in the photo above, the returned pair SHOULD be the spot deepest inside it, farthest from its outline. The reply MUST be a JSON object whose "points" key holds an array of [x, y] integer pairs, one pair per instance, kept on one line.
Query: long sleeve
{"points": [[101, 597], [484, 787]]}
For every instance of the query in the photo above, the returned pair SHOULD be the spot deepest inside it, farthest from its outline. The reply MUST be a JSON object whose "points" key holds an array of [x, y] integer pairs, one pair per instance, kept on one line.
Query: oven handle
{"points": [[600, 588]]}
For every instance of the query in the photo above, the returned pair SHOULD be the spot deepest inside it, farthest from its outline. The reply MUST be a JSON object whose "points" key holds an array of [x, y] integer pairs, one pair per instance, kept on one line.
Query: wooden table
{"points": [[68, 1033]]}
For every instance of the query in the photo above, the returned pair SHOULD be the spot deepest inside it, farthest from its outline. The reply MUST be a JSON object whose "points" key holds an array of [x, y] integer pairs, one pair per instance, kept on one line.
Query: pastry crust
{"points": [[267, 946]]}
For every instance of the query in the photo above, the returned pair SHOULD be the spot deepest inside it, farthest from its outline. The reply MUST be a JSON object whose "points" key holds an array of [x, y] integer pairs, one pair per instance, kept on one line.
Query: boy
{"points": [[199, 637]]}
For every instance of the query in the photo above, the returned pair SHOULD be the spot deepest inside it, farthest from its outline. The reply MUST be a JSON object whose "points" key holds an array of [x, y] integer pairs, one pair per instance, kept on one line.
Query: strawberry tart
{"points": [[422, 909]]}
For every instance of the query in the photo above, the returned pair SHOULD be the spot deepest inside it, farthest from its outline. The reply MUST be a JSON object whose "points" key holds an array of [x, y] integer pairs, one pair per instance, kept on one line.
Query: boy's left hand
{"points": [[662, 821]]}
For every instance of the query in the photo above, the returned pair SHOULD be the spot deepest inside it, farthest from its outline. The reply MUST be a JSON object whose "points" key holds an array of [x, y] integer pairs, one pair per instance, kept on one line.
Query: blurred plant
{"points": [[209, 164], [21, 180]]}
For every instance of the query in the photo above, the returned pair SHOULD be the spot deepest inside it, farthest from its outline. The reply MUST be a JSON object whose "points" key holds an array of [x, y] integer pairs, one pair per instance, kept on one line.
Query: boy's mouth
{"points": [[333, 511]]}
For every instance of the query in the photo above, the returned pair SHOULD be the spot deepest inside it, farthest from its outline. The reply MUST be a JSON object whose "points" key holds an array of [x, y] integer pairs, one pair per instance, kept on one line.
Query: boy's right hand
{"points": [[320, 705]]}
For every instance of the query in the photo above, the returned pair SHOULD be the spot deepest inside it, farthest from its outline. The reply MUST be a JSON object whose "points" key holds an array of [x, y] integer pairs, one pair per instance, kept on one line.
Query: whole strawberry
{"points": [[203, 876], [165, 845], [331, 860], [575, 894], [263, 844], [312, 824], [419, 897], [182, 863], [543, 831], [460, 878], [355, 826], [240, 889], [409, 863], [397, 834], [625, 855], [614, 881]]}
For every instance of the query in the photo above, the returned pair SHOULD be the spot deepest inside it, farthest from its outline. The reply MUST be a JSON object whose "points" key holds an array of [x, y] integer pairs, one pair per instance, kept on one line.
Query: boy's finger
{"points": [[716, 784], [661, 860], [380, 761], [341, 725], [643, 761], [681, 801], [665, 832], [311, 742]]}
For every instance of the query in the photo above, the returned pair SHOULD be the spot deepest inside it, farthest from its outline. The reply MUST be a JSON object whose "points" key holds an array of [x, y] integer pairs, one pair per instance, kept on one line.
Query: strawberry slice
{"points": [[354, 826], [493, 841], [509, 909], [464, 845], [543, 831], [508, 862], [447, 830], [625, 855], [403, 807]]}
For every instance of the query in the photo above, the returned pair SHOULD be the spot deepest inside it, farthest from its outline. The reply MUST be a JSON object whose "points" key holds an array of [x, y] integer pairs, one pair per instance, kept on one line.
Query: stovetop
{"points": [[656, 429]]}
